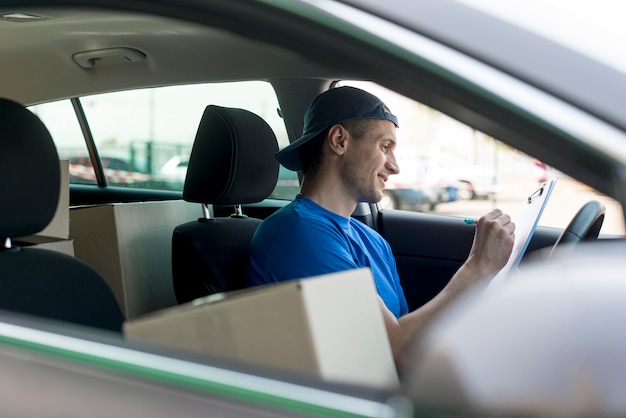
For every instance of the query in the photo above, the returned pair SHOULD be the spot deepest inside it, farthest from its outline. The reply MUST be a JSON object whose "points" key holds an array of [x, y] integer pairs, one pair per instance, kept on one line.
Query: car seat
{"points": [[232, 163], [37, 281]]}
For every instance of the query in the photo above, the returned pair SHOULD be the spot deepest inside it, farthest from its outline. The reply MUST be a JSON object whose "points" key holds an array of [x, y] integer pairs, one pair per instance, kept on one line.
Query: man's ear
{"points": [[337, 139]]}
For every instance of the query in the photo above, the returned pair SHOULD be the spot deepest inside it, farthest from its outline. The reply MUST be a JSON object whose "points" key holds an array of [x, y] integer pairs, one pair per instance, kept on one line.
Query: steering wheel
{"points": [[584, 226]]}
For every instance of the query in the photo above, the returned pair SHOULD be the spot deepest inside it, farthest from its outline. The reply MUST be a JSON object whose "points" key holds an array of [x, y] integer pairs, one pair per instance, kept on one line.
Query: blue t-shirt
{"points": [[303, 239]]}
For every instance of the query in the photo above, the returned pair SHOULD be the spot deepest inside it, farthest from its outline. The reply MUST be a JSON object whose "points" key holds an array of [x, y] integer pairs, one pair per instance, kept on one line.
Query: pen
{"points": [[470, 221]]}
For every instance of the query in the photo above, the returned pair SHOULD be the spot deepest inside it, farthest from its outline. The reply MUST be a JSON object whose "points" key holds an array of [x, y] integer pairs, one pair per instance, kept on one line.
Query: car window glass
{"points": [[60, 119], [449, 168], [144, 137]]}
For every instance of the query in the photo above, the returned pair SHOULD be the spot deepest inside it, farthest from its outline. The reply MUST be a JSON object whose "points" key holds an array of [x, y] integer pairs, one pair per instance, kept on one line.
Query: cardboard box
{"points": [[59, 227], [330, 327], [130, 245], [65, 246]]}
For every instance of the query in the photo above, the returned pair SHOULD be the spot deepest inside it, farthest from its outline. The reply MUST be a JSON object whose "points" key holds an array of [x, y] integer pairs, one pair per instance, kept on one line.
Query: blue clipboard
{"points": [[525, 226]]}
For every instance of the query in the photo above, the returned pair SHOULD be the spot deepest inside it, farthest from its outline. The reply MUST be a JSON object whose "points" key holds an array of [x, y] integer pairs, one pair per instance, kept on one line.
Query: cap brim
{"points": [[289, 156]]}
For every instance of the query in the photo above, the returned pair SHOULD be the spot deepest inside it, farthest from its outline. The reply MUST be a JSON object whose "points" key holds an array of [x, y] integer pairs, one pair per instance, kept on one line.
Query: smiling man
{"points": [[346, 154]]}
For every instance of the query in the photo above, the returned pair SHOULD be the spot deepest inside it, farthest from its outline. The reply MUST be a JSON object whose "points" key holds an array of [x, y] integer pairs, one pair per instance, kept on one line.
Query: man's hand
{"points": [[493, 243]]}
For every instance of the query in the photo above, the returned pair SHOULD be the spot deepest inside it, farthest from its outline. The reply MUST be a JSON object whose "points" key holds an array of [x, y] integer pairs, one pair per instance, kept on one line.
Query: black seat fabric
{"points": [[232, 163], [36, 281]]}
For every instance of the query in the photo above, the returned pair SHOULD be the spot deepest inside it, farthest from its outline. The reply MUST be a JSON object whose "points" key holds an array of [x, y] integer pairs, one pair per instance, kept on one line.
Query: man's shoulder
{"points": [[300, 209], [299, 220], [286, 218], [368, 232]]}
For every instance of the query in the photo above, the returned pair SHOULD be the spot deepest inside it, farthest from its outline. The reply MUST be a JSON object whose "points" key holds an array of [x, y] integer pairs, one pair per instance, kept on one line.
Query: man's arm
{"points": [[491, 249]]}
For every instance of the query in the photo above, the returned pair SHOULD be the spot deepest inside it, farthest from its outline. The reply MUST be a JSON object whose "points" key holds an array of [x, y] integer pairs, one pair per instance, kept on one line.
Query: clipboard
{"points": [[525, 226]]}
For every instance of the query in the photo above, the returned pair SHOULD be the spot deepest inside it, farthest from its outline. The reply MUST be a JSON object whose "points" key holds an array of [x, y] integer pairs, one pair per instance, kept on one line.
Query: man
{"points": [[346, 154]]}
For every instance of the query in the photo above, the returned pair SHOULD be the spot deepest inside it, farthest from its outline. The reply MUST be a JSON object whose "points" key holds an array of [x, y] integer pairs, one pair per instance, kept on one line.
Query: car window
{"points": [[61, 121], [449, 168], [144, 137]]}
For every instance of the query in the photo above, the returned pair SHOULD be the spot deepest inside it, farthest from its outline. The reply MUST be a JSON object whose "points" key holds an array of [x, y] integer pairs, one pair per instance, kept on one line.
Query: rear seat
{"points": [[39, 281]]}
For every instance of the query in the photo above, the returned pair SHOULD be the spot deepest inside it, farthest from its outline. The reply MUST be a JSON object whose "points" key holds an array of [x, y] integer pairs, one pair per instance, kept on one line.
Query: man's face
{"points": [[369, 162]]}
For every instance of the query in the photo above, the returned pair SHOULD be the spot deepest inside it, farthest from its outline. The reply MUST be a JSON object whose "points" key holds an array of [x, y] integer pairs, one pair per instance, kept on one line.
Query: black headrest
{"points": [[232, 160], [29, 172]]}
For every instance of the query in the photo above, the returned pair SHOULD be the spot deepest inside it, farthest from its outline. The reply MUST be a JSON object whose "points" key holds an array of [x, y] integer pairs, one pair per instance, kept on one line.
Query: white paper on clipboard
{"points": [[525, 226]]}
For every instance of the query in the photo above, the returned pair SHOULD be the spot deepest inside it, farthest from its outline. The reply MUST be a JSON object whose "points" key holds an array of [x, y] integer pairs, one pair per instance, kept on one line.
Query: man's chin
{"points": [[372, 199]]}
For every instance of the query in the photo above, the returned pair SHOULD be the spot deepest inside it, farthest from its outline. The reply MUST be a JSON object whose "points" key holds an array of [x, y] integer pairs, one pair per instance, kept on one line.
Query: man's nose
{"points": [[392, 164]]}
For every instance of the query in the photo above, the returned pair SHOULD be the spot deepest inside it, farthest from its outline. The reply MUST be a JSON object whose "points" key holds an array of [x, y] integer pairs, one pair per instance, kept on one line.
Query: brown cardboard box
{"points": [[65, 246], [59, 227], [330, 326], [130, 245]]}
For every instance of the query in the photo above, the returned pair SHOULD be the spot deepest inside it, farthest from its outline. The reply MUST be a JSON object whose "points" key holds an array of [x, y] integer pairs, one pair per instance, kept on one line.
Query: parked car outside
{"points": [[418, 187], [476, 182], [409, 198], [117, 171], [174, 171]]}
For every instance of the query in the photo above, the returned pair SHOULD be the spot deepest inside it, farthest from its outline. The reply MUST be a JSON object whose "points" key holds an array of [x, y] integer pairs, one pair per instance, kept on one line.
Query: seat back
{"points": [[36, 281], [232, 163]]}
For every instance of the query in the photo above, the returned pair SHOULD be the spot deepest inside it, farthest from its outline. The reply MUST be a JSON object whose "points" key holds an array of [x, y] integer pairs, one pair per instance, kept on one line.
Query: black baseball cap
{"points": [[329, 108]]}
